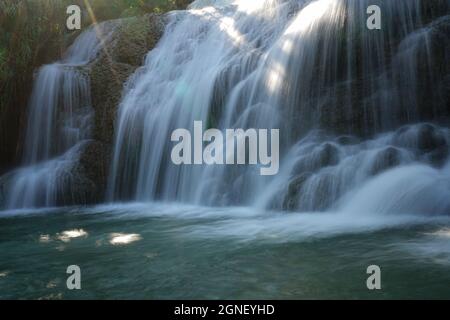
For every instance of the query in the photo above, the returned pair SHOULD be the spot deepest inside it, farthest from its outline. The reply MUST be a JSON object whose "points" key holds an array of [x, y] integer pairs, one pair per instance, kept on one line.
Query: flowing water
{"points": [[160, 251], [364, 176], [60, 118], [275, 64]]}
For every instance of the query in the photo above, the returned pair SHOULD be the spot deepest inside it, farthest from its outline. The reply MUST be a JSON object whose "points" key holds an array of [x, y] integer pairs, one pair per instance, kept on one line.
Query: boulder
{"points": [[386, 159], [325, 155]]}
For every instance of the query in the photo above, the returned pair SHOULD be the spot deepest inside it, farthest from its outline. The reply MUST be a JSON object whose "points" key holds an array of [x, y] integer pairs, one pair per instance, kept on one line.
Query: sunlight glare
{"points": [[68, 235], [310, 15], [118, 239]]}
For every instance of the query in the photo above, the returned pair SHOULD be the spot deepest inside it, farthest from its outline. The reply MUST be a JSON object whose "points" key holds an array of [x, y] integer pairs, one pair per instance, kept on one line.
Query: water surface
{"points": [[158, 251]]}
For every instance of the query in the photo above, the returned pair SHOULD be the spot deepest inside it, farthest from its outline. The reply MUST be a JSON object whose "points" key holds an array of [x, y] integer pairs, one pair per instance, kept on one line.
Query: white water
{"points": [[291, 65], [59, 113], [322, 173], [60, 117], [297, 65]]}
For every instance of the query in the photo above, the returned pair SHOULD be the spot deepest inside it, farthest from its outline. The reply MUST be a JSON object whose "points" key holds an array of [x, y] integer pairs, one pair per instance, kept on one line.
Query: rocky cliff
{"points": [[82, 179], [121, 56]]}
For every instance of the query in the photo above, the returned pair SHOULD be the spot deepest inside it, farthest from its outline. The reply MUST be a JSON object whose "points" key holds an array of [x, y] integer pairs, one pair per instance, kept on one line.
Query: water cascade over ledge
{"points": [[363, 115], [351, 104], [60, 118]]}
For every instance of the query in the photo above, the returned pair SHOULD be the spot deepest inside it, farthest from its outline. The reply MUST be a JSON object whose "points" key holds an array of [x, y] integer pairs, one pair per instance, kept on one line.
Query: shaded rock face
{"points": [[121, 56], [291, 199], [4, 186], [324, 156], [11, 123], [428, 142], [133, 39], [386, 159], [91, 172], [434, 8]]}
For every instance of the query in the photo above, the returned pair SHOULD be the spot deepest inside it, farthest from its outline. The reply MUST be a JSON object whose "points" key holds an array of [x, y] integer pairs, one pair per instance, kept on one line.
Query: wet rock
{"points": [[429, 138], [421, 138], [347, 140], [93, 169], [291, 199], [427, 141], [433, 70], [433, 9], [4, 186], [384, 99], [438, 157], [319, 193], [323, 156], [433, 143], [133, 38], [63, 181], [386, 159], [80, 175]]}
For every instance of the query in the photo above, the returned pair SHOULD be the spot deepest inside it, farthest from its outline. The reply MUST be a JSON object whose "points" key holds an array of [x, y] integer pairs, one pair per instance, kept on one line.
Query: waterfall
{"points": [[60, 118], [323, 172], [347, 101]]}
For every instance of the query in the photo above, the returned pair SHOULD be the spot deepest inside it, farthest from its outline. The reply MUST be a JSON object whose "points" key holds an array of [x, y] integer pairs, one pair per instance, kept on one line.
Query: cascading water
{"points": [[59, 123], [312, 69], [364, 176], [323, 172]]}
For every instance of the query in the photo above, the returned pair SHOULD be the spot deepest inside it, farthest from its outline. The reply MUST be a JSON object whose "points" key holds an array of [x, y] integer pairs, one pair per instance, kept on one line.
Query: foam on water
{"points": [[250, 224]]}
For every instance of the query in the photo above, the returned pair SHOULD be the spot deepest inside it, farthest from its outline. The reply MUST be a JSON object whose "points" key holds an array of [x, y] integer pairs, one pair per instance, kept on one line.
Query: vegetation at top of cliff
{"points": [[32, 32]]}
